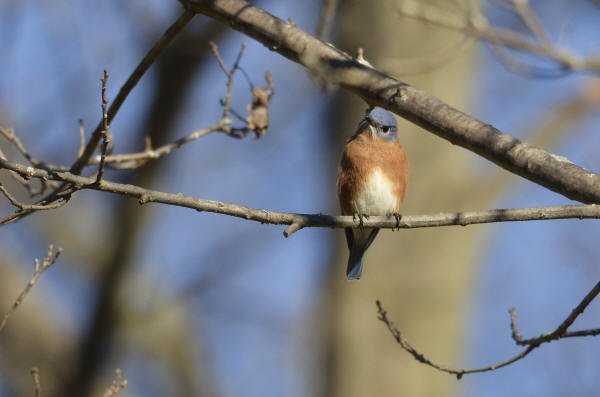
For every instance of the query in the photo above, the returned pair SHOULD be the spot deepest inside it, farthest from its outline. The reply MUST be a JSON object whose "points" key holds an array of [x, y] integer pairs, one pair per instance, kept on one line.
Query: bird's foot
{"points": [[398, 217], [361, 219]]}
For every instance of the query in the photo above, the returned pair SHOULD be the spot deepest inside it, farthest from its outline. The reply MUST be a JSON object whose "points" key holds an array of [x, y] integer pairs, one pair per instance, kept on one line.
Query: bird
{"points": [[372, 180]]}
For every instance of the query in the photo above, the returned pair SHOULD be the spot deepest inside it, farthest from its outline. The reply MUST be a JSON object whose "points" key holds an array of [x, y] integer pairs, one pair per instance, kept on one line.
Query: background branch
{"points": [[476, 25], [560, 331], [117, 384], [49, 260], [422, 359], [531, 344], [131, 82]]}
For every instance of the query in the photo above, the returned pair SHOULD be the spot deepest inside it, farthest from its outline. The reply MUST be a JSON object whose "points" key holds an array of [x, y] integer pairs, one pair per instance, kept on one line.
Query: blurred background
{"points": [[189, 303]]}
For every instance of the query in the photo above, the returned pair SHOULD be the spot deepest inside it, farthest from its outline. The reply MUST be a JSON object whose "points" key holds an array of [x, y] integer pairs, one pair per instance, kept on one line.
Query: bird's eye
{"points": [[385, 129]]}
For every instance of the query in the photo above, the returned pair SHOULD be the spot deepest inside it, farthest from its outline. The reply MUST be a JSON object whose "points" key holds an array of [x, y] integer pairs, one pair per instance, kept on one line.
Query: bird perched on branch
{"points": [[372, 180]]}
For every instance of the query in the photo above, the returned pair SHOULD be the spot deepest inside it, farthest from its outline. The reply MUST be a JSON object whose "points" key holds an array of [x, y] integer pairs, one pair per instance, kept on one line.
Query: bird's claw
{"points": [[398, 217], [361, 219]]}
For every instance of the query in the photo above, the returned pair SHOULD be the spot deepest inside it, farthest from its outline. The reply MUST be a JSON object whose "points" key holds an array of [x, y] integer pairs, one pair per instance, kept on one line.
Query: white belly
{"points": [[377, 196]]}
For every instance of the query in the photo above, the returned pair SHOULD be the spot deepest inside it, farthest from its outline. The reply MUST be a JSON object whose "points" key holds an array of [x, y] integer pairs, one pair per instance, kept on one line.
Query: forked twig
{"points": [[531, 344], [117, 384], [48, 261]]}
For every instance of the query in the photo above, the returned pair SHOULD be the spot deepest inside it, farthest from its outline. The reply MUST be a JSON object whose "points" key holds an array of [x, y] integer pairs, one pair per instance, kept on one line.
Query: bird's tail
{"points": [[358, 242]]}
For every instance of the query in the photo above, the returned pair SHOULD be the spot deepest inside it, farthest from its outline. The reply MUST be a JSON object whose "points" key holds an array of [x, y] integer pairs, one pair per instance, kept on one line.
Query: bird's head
{"points": [[382, 124]]}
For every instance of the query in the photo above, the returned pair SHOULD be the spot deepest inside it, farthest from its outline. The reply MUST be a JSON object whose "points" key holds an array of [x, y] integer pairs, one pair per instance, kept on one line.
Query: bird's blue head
{"points": [[383, 124]]}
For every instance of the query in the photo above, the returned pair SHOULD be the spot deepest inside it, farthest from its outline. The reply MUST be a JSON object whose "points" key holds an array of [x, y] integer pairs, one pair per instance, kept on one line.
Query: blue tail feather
{"points": [[358, 241]]}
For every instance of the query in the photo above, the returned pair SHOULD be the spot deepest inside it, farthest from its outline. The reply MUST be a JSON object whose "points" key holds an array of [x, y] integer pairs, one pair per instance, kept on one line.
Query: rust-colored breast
{"points": [[362, 155]]}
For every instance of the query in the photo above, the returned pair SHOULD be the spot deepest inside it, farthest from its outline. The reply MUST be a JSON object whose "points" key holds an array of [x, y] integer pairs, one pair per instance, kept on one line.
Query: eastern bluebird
{"points": [[372, 180]]}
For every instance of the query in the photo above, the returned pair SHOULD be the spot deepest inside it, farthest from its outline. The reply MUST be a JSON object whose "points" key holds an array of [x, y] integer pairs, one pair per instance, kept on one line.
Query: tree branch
{"points": [[299, 221], [422, 359], [377, 89], [104, 132], [48, 261], [560, 331], [35, 375], [531, 344], [477, 26], [117, 384], [131, 82]]}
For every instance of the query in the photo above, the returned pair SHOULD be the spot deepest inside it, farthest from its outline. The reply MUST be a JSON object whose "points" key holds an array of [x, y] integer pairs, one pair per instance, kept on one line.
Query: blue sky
{"points": [[250, 318]]}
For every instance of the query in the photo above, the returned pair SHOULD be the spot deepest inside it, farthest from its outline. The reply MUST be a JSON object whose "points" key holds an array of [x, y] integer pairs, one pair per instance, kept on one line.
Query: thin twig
{"points": [[580, 333], [328, 10], [299, 221], [35, 374], [10, 136], [16, 177], [530, 19], [382, 316], [105, 127], [531, 344], [48, 261], [32, 207], [81, 139], [480, 28], [134, 160], [116, 385], [228, 73], [560, 331], [55, 201], [131, 82]]}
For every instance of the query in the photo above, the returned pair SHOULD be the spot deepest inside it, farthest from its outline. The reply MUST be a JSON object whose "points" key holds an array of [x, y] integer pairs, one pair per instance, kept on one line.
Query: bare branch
{"points": [[561, 331], [35, 374], [131, 82], [422, 359], [328, 10], [104, 132], [478, 26], [377, 89], [48, 261], [532, 22], [116, 385], [81, 139], [32, 207], [258, 120], [10, 136], [531, 344], [135, 160], [228, 73], [56, 200], [299, 221]]}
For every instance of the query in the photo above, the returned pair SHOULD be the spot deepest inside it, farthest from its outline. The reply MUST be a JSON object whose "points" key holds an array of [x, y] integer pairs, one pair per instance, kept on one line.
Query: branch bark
{"points": [[299, 221], [377, 89]]}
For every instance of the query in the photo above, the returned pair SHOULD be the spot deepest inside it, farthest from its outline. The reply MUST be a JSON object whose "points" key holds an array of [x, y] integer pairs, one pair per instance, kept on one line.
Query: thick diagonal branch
{"points": [[553, 172]]}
